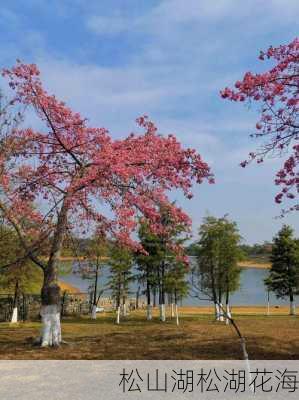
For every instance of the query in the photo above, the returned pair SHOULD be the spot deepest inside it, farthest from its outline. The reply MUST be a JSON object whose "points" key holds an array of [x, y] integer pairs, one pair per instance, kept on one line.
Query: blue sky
{"points": [[113, 60]]}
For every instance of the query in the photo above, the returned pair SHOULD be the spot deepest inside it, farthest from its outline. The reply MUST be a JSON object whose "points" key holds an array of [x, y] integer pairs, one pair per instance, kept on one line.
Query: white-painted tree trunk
{"points": [[94, 312], [14, 317], [228, 314], [177, 315], [172, 310], [149, 314], [292, 308], [162, 313], [217, 314], [221, 316], [117, 315], [51, 328], [124, 310]]}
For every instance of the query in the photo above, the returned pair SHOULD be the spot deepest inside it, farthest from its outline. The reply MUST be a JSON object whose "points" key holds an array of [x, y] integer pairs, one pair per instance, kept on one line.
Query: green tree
{"points": [[176, 284], [95, 252], [216, 272], [121, 263], [17, 274], [283, 278], [160, 269], [148, 265]]}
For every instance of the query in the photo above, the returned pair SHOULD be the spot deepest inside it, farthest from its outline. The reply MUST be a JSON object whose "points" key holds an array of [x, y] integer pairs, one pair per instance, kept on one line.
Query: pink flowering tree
{"points": [[67, 170], [277, 91]]}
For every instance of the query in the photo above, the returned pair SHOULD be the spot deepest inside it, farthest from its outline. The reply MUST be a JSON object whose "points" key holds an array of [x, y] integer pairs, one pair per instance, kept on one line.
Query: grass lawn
{"points": [[197, 337]]}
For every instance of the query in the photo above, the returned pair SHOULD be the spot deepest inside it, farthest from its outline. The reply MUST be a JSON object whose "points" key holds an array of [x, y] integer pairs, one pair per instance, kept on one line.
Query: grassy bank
{"points": [[250, 263], [254, 264], [197, 337]]}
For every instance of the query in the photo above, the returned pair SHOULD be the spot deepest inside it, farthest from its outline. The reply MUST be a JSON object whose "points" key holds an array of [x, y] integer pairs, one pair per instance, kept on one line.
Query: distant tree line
{"points": [[257, 251]]}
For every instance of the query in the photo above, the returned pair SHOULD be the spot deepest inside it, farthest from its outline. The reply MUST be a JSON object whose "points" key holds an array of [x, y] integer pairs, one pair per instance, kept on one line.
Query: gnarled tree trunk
{"points": [[50, 313], [51, 301]]}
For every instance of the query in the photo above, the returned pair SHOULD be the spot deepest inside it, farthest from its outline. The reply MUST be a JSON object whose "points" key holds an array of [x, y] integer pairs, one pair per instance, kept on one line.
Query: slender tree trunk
{"points": [[177, 315], [124, 296], [172, 310], [162, 303], [228, 311], [176, 308], [94, 303], [268, 303], [160, 295], [94, 312], [137, 298], [14, 317], [149, 315], [291, 293], [217, 311], [124, 307], [292, 303], [243, 348], [154, 296], [214, 294], [221, 317], [50, 294], [118, 302], [118, 315]]}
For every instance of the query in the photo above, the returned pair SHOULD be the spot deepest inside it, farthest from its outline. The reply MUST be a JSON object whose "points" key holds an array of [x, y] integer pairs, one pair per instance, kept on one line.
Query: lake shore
{"points": [[241, 264], [66, 287], [254, 264]]}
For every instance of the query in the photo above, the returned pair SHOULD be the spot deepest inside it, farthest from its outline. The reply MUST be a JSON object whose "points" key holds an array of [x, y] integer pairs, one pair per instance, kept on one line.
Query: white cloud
{"points": [[107, 25], [169, 13]]}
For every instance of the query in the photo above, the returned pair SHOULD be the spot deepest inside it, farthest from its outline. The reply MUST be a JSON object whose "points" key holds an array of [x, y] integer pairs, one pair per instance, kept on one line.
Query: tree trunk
{"points": [[154, 297], [118, 303], [217, 312], [243, 347], [95, 300], [177, 315], [118, 315], [50, 294], [214, 294], [268, 303], [137, 298], [94, 312], [14, 317], [149, 315], [292, 304], [172, 310], [124, 308], [228, 313], [162, 296], [221, 317], [176, 307], [162, 313]]}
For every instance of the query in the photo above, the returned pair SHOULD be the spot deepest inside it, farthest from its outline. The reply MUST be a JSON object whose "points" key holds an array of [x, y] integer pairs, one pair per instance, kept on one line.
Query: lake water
{"points": [[252, 290]]}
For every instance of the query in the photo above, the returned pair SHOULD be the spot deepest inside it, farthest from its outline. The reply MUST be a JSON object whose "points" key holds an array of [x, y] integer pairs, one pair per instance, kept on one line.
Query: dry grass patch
{"points": [[198, 337]]}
